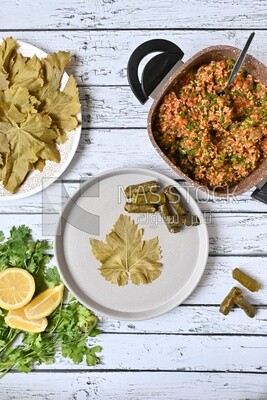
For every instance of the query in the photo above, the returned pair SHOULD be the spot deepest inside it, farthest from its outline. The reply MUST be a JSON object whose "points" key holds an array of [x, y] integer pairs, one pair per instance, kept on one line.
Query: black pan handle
{"points": [[156, 68], [261, 194]]}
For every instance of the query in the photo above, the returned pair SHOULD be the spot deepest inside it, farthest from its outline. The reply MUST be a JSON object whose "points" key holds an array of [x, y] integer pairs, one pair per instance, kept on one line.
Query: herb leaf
{"points": [[69, 326]]}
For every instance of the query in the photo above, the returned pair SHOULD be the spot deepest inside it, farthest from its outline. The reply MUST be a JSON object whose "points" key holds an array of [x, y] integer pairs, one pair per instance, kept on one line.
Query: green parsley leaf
{"points": [[69, 327], [52, 277]]}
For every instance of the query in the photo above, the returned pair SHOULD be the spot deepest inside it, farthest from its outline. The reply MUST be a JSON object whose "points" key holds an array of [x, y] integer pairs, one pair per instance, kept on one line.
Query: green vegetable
{"points": [[69, 326], [20, 251]]}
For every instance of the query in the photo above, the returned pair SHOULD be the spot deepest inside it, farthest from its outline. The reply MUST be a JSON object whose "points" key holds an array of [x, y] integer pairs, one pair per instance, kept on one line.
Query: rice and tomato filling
{"points": [[216, 140]]}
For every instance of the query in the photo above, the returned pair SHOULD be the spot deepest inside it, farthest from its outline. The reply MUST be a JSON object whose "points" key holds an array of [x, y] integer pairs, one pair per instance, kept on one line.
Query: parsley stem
{"points": [[12, 334]]}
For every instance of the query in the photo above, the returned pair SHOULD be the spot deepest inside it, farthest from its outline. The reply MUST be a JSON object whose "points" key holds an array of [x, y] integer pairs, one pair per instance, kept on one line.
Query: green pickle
{"points": [[136, 208], [173, 196], [245, 280], [229, 301], [150, 186]]}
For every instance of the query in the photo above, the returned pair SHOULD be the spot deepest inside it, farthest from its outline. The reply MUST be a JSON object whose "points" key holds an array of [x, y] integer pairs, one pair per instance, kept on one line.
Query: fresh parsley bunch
{"points": [[69, 326]]}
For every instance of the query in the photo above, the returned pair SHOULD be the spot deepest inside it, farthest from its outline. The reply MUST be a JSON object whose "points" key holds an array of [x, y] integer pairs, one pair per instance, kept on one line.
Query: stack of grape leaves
{"points": [[35, 112]]}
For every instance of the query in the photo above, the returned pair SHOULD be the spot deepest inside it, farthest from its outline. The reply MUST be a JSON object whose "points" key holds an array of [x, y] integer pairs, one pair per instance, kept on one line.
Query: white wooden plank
{"points": [[194, 320], [130, 148], [133, 386], [37, 203], [124, 14], [101, 57], [112, 107], [175, 352], [217, 280], [229, 233]]}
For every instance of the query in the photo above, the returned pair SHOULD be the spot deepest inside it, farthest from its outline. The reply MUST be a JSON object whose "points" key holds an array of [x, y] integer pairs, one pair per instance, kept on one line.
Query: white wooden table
{"points": [[192, 352]]}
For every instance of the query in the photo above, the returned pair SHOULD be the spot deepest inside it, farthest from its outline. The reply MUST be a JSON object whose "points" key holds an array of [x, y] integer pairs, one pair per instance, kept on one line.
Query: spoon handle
{"points": [[240, 59]]}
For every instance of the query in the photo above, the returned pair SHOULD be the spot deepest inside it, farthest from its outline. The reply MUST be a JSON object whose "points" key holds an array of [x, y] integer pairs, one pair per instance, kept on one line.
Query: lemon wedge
{"points": [[45, 303], [17, 319], [17, 287]]}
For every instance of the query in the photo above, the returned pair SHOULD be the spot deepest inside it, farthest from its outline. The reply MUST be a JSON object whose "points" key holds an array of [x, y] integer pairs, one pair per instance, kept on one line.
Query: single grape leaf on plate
{"points": [[126, 256]]}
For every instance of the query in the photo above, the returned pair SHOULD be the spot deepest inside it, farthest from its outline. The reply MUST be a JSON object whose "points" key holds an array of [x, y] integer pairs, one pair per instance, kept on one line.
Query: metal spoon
{"points": [[238, 64]]}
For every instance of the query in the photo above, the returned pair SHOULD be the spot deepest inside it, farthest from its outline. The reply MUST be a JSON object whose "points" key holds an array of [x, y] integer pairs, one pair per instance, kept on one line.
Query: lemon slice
{"points": [[45, 303], [17, 287], [17, 319]]}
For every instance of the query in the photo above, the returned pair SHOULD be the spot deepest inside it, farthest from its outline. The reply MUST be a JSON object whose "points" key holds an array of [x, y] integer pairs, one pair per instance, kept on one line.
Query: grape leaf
{"points": [[4, 146], [21, 98], [63, 107], [7, 53], [25, 72], [126, 256], [36, 113], [53, 68], [29, 137]]}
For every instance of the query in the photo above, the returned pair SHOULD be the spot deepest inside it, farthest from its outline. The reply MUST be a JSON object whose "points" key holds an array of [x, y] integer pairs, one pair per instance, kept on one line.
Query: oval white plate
{"points": [[184, 255], [36, 181]]}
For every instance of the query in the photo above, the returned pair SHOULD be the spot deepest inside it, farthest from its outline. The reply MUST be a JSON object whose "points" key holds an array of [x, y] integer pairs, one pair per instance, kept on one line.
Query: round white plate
{"points": [[36, 181], [100, 199]]}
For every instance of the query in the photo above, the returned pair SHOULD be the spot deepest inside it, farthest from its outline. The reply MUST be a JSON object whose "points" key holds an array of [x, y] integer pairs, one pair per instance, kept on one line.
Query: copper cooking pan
{"points": [[160, 74]]}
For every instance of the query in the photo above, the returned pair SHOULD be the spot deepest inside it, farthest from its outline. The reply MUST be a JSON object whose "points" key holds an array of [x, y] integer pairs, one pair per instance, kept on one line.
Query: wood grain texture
{"points": [[217, 279], [195, 320], [175, 352], [112, 107], [223, 231], [123, 14], [130, 148], [39, 202], [134, 386], [203, 353], [101, 57]]}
